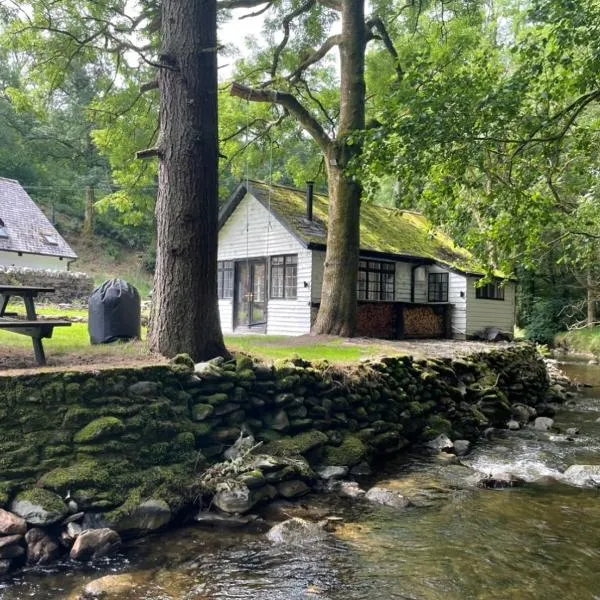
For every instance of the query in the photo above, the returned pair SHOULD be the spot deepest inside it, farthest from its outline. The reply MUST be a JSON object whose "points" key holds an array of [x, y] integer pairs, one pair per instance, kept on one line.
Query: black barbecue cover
{"points": [[114, 312]]}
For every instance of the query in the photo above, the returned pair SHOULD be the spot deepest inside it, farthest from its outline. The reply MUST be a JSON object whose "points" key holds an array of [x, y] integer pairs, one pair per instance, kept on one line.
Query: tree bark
{"points": [[88, 220], [338, 309], [185, 315]]}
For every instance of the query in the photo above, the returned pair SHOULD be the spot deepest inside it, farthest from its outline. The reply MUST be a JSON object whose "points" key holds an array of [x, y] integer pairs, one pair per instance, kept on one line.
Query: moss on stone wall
{"points": [[116, 438]]}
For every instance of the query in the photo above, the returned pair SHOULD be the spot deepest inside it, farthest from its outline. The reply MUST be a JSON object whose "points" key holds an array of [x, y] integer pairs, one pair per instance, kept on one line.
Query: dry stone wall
{"points": [[130, 448], [69, 286]]}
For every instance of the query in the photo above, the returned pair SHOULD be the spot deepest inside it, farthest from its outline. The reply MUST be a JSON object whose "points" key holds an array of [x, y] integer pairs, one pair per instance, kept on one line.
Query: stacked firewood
{"points": [[422, 321]]}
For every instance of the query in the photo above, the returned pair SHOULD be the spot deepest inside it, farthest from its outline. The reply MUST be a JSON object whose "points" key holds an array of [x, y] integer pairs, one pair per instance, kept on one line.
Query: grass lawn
{"points": [[335, 350], [580, 340]]}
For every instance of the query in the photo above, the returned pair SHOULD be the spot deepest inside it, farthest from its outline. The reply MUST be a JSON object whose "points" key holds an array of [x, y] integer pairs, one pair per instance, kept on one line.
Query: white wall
{"points": [[251, 232], [490, 313], [33, 261]]}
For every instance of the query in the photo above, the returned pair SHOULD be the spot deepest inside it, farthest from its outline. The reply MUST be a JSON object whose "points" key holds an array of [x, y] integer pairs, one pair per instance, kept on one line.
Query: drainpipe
{"points": [[310, 187]]}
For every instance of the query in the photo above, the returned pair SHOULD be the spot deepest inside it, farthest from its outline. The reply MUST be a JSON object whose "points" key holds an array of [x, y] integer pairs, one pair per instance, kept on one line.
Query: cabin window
{"points": [[438, 287], [376, 280], [491, 291], [284, 276], [3, 230], [225, 279]]}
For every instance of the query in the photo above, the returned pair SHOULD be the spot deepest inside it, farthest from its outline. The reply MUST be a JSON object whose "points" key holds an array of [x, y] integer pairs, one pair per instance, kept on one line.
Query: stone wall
{"points": [[69, 286], [117, 438]]}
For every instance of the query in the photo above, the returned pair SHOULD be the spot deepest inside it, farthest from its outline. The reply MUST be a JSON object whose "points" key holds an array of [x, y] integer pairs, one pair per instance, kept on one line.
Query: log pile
{"points": [[423, 321]]}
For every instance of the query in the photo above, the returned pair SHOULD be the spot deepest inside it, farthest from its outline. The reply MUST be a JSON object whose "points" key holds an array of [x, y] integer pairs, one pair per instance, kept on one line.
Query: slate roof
{"points": [[384, 231], [26, 224]]}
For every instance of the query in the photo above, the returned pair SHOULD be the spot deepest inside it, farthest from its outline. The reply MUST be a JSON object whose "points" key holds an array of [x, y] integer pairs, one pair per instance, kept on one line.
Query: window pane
{"points": [[291, 284], [277, 272], [438, 287]]}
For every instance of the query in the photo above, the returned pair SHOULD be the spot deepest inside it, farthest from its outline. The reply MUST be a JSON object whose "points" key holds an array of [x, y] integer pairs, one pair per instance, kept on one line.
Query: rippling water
{"points": [[541, 541]]}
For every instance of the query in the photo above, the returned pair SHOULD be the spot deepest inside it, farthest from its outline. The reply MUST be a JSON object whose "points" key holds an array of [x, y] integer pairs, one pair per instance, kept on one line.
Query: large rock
{"points": [[11, 524], [12, 551], [147, 516], [39, 507], [8, 540], [329, 473], [296, 531], [543, 423], [583, 475], [235, 499], [41, 548], [95, 543], [379, 495], [461, 447], [442, 443]]}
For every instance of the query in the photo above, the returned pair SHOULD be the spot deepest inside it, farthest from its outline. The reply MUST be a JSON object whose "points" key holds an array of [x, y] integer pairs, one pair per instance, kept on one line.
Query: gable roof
{"points": [[26, 225], [384, 231]]}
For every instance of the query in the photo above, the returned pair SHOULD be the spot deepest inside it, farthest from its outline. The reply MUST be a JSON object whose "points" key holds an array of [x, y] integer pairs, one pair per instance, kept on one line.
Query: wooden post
{"points": [[88, 221]]}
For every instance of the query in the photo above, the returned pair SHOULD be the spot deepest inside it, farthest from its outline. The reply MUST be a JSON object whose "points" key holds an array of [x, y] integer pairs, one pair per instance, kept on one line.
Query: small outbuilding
{"points": [[413, 281], [27, 237]]}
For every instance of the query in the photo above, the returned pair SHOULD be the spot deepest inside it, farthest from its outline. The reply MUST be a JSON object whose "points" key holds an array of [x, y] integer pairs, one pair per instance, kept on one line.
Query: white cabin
{"points": [[413, 281], [27, 238]]}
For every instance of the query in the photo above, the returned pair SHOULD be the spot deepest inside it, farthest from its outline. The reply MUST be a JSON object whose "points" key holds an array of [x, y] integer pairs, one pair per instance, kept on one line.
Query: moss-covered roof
{"points": [[383, 230]]}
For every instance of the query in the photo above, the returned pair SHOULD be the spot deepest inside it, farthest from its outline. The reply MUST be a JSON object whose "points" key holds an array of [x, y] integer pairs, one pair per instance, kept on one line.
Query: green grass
{"points": [[275, 347], [580, 340], [72, 341]]}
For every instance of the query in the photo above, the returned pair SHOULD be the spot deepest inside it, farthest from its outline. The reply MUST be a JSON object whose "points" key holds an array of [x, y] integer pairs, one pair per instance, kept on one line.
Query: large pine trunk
{"points": [[338, 310], [185, 314]]}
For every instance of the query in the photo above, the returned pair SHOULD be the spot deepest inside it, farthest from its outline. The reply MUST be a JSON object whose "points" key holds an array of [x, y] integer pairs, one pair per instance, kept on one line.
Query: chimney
{"points": [[310, 186]]}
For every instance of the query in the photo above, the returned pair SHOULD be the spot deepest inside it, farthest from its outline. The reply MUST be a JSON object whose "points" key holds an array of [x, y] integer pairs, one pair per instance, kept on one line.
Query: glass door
{"points": [[251, 293]]}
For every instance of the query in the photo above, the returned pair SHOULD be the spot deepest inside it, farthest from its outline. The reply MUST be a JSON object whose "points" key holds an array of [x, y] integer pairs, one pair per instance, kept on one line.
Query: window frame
{"points": [[436, 289], [483, 292], [377, 274], [287, 266], [225, 267]]}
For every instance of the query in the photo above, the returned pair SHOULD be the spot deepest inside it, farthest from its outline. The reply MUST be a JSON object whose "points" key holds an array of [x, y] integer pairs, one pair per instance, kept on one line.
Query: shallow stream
{"points": [[539, 541]]}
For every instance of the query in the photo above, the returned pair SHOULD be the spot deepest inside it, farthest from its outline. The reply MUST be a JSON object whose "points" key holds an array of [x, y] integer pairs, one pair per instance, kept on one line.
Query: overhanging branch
{"points": [[289, 102], [378, 25]]}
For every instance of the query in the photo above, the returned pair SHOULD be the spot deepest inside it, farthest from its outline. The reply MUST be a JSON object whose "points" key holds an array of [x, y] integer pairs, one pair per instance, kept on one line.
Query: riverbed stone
{"points": [[543, 423], [150, 515], [385, 497], [292, 489], [441, 443], [296, 531], [7, 540], [12, 551], [111, 587], [513, 425], [39, 507], [41, 548], [11, 524], [235, 499], [332, 472], [95, 543], [461, 447], [500, 481], [583, 475], [5, 566]]}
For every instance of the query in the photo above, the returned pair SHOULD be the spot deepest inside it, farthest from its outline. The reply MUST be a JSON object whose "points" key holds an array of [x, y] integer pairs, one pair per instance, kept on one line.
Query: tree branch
{"points": [[302, 115], [377, 24], [316, 56], [286, 33]]}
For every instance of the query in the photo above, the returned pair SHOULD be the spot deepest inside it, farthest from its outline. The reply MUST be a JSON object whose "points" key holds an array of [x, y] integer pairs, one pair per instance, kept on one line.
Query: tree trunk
{"points": [[338, 310], [185, 315]]}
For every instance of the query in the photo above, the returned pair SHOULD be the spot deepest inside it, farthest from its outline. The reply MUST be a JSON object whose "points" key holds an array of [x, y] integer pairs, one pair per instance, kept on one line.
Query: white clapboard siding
{"points": [[490, 313], [226, 314], [34, 261], [251, 232], [457, 296]]}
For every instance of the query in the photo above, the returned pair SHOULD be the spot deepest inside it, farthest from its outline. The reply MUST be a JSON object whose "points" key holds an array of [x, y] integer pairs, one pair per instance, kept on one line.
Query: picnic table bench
{"points": [[31, 326]]}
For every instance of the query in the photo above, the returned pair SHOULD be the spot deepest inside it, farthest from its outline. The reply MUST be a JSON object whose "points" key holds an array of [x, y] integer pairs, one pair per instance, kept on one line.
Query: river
{"points": [[539, 541]]}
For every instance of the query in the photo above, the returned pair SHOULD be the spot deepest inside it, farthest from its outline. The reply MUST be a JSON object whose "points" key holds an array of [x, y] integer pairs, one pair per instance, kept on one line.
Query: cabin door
{"points": [[251, 293]]}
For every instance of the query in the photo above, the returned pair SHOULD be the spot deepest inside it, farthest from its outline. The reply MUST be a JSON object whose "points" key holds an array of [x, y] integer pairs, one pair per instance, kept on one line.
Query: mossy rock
{"points": [[82, 474], [39, 506], [183, 360], [99, 429], [439, 425], [351, 451], [297, 445]]}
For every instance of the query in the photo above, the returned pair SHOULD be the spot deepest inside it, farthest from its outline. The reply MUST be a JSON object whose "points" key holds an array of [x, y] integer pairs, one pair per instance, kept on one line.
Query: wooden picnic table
{"points": [[31, 326]]}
